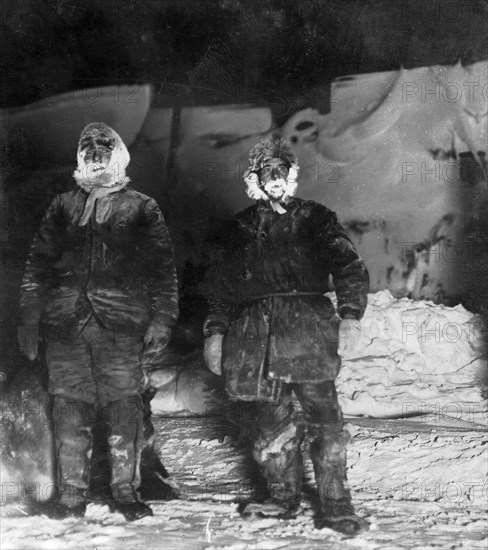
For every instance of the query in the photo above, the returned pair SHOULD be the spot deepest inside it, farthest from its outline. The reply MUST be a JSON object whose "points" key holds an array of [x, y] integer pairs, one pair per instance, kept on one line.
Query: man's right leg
{"points": [[277, 452], [73, 423], [73, 415]]}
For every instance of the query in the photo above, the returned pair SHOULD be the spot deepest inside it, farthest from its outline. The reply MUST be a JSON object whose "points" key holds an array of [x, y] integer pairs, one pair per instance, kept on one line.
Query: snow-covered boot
{"points": [[73, 422], [124, 419], [280, 459], [328, 454]]}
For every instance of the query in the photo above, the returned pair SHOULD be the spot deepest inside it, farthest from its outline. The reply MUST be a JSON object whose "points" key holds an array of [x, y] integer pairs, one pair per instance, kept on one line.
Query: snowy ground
{"points": [[418, 470], [420, 484]]}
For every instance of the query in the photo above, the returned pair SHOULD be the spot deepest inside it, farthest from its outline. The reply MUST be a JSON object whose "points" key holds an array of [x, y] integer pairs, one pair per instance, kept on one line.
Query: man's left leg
{"points": [[119, 377], [328, 440], [124, 421]]}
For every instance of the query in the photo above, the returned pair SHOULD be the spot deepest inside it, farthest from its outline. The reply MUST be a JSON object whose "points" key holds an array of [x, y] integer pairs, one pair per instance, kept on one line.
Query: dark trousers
{"points": [[96, 365], [277, 448], [73, 425], [97, 376]]}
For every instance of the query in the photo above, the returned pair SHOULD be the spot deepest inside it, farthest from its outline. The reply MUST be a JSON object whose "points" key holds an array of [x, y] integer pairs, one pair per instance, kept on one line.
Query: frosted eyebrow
{"points": [[105, 142]]}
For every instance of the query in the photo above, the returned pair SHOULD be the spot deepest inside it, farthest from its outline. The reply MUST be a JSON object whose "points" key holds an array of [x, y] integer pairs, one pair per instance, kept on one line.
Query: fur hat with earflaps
{"points": [[273, 147]]}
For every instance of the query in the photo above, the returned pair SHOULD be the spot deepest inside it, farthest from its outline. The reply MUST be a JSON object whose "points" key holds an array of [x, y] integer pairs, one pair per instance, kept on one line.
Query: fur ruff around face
{"points": [[255, 192], [114, 174], [273, 147]]}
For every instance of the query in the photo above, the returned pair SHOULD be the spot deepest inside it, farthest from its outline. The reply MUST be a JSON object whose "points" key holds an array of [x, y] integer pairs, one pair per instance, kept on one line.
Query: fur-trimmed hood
{"points": [[259, 155]]}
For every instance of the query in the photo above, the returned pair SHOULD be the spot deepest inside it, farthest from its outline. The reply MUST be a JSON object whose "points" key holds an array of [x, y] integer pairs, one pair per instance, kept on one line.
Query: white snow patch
{"points": [[415, 357]]}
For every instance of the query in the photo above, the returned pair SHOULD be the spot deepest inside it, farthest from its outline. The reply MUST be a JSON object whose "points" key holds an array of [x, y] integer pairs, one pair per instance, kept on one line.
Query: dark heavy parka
{"points": [[266, 294], [121, 271]]}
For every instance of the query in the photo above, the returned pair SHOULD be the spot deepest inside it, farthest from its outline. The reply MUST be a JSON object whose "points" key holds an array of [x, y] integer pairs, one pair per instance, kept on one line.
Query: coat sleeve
{"points": [[163, 284], [350, 276], [46, 249]]}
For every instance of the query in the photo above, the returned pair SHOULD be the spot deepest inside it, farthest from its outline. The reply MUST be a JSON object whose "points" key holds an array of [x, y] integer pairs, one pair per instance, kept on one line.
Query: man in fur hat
{"points": [[100, 282], [272, 333]]}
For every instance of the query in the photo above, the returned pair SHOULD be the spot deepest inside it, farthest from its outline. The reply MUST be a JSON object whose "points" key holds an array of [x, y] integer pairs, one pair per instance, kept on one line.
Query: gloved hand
{"points": [[28, 338], [349, 333], [212, 353], [155, 340]]}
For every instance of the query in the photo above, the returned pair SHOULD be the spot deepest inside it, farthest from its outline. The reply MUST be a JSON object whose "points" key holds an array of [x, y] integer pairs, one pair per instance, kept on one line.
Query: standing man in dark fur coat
{"points": [[100, 282], [272, 332]]}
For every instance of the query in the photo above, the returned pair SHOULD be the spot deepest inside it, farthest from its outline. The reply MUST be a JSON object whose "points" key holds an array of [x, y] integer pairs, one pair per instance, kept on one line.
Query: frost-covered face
{"points": [[102, 157], [95, 149], [272, 177]]}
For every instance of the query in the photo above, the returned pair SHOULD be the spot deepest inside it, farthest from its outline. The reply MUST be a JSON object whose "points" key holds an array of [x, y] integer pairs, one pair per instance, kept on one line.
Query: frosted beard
{"points": [[275, 189]]}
